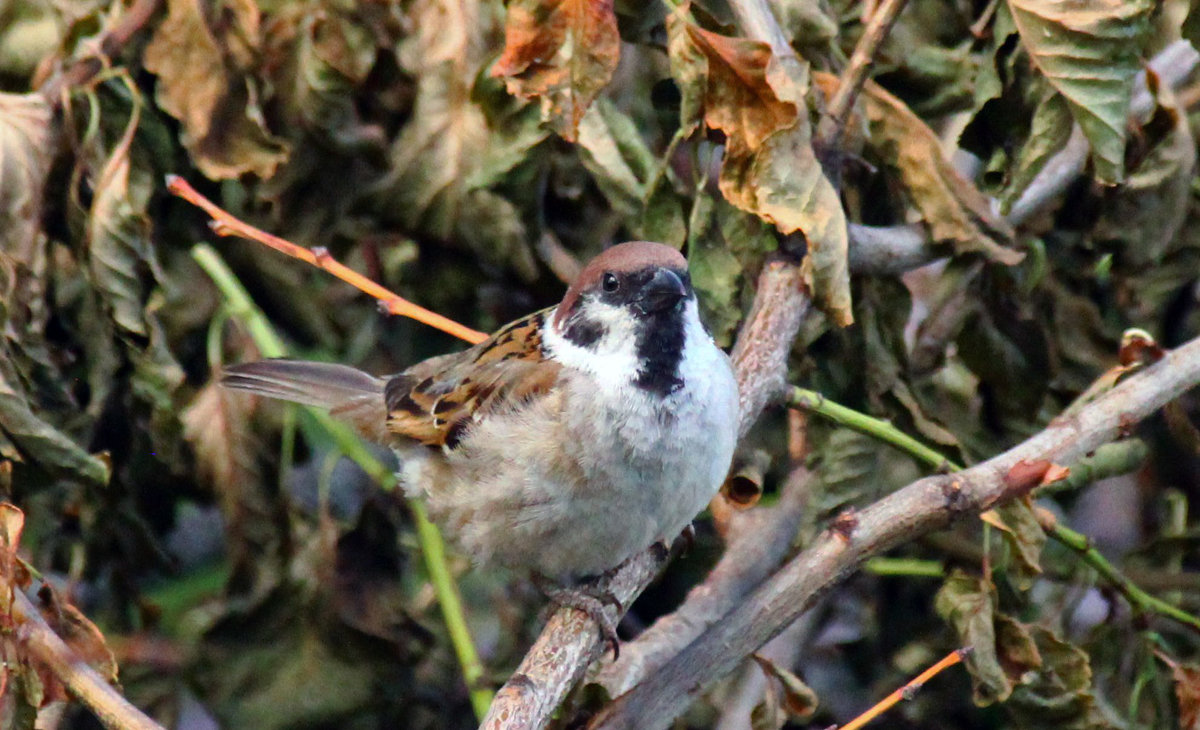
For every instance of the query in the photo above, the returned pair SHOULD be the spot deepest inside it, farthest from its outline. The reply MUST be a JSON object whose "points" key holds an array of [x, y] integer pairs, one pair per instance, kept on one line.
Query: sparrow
{"points": [[569, 440]]}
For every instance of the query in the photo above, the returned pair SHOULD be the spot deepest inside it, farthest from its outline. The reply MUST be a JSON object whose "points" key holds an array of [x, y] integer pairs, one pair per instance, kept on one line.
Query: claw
{"points": [[590, 598]]}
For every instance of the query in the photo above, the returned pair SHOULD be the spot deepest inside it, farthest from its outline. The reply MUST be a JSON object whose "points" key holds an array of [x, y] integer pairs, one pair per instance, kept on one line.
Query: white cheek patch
{"points": [[612, 359]]}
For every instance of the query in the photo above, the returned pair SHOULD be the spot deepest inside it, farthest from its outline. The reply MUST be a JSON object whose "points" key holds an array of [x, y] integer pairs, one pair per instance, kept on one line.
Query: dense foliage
{"points": [[468, 155]]}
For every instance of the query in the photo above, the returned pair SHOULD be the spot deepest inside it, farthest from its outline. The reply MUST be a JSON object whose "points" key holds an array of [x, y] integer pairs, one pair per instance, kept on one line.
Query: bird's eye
{"points": [[610, 282]]}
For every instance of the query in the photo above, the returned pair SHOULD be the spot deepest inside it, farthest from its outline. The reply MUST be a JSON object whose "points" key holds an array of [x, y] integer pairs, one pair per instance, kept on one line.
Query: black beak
{"points": [[662, 292]]}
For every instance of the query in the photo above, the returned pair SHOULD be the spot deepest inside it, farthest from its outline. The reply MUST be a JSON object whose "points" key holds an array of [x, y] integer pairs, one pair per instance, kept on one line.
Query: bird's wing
{"points": [[436, 401]]}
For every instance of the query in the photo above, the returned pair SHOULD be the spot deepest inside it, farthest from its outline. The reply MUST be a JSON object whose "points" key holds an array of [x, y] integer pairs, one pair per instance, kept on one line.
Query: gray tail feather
{"points": [[320, 384], [350, 395]]}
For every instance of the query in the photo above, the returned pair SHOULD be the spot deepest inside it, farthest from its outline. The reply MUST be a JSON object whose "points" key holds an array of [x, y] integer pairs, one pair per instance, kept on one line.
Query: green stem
{"points": [[813, 402], [1082, 545], [433, 549], [912, 567]]}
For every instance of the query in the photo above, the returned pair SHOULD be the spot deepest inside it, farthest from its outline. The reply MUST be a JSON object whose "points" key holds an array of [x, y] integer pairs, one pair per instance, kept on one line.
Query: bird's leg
{"points": [[591, 596]]}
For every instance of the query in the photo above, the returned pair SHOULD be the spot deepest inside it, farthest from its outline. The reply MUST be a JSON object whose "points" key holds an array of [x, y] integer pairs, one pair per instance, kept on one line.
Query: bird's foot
{"points": [[591, 597]]}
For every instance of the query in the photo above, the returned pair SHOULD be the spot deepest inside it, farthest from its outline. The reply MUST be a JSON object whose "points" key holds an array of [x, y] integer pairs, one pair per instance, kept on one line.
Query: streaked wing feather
{"points": [[434, 402]]}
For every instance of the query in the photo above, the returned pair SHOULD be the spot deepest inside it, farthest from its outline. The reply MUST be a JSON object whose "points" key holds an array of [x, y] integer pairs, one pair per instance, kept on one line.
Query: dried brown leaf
{"points": [[799, 699], [954, 209], [563, 52], [26, 150], [203, 82], [216, 424], [80, 635], [769, 167]]}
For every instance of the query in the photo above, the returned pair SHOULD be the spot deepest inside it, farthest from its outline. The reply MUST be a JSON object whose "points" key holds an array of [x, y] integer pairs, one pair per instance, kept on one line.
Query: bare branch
{"points": [[759, 540], [761, 353], [563, 652], [856, 72], [34, 636], [923, 506]]}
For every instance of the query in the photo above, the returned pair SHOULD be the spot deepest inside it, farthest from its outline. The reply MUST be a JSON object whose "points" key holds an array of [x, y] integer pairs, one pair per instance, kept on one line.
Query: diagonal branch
{"points": [[34, 635], [921, 507]]}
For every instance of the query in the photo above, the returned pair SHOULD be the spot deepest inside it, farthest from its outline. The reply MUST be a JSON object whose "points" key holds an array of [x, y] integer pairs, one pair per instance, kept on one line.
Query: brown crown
{"points": [[624, 257]]}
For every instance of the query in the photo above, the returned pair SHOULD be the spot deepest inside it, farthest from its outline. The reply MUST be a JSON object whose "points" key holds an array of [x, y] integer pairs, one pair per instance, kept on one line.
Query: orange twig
{"points": [[905, 692], [224, 223]]}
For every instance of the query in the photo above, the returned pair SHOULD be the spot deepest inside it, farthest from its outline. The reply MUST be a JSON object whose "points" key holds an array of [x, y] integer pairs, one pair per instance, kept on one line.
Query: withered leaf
{"points": [[954, 209], [769, 168], [1024, 536], [1187, 692], [1059, 692], [967, 603], [203, 82], [26, 150], [563, 52], [799, 699]]}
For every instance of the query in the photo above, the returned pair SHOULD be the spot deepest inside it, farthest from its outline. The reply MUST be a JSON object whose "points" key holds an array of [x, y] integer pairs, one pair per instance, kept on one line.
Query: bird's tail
{"points": [[349, 394]]}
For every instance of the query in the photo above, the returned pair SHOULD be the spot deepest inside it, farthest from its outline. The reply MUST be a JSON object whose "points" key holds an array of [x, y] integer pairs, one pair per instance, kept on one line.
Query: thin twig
{"points": [[926, 505], [857, 70], [905, 692], [226, 224], [433, 549], [877, 428], [106, 45], [1141, 601], [35, 636]]}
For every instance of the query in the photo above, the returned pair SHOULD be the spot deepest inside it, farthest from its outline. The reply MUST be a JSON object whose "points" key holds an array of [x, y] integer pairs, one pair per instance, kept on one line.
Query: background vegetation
{"points": [[978, 226]]}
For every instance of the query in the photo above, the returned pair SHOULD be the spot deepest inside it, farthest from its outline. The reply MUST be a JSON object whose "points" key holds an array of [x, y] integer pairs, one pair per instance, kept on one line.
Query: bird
{"points": [[566, 442]]}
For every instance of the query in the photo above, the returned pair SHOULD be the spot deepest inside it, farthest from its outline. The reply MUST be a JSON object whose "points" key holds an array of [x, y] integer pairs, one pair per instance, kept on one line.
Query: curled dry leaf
{"points": [[26, 150], [80, 635], [12, 573], [769, 168], [951, 206], [799, 699], [563, 52], [204, 82], [1187, 691]]}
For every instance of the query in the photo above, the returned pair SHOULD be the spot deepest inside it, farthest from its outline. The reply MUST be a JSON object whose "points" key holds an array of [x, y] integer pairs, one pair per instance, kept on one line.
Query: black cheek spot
{"points": [[584, 333]]}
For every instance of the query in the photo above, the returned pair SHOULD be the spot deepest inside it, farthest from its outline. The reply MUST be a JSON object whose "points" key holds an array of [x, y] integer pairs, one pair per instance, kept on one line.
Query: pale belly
{"points": [[576, 497]]}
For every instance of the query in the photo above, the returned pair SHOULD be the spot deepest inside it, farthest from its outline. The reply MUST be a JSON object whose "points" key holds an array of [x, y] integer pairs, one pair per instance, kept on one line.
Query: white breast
{"points": [[578, 481]]}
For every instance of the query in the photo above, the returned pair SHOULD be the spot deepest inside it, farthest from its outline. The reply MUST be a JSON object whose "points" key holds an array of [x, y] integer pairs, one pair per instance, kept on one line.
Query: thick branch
{"points": [[760, 540], [919, 508], [34, 636]]}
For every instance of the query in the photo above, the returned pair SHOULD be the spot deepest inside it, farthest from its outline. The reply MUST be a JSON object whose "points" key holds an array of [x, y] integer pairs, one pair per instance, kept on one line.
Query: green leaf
{"points": [[39, 441], [1090, 51], [616, 155], [968, 604], [1048, 134], [1146, 213]]}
